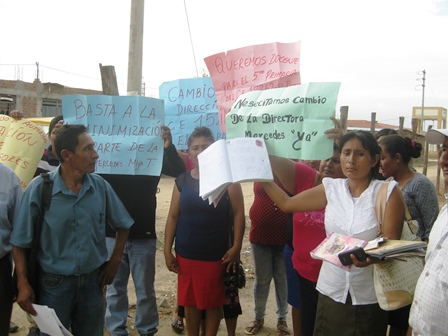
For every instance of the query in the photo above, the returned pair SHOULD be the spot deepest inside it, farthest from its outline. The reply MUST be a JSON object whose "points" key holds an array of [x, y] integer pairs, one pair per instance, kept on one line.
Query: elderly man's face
{"points": [[85, 156], [443, 161]]}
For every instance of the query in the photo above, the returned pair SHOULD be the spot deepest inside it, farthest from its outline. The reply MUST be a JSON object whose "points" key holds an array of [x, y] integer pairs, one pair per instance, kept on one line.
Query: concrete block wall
{"points": [[28, 96]]}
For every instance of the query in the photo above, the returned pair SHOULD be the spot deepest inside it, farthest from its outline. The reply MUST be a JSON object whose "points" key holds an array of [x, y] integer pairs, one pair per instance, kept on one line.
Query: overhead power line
{"points": [[191, 39]]}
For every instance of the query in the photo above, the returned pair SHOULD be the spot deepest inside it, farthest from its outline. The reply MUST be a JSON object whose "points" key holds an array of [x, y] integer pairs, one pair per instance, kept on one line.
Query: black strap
{"points": [[47, 189], [231, 230]]}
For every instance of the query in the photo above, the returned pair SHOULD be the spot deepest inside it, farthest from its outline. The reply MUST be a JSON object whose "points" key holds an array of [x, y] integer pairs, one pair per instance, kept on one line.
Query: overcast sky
{"points": [[376, 49]]}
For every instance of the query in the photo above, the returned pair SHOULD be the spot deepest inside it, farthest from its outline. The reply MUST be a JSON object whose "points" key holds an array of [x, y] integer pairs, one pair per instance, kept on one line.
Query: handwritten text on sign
{"points": [[291, 120], [190, 103], [22, 144], [253, 68], [126, 130]]}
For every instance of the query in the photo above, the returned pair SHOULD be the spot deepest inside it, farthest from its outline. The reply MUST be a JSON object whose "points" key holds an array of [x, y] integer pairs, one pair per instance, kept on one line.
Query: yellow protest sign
{"points": [[21, 146]]}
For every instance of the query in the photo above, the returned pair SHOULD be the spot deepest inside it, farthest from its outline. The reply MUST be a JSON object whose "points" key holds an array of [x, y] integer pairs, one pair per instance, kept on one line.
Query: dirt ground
{"points": [[165, 283]]}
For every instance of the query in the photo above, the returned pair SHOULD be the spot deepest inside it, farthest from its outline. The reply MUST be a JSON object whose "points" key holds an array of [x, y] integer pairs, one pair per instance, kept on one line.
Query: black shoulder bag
{"points": [[238, 277], [33, 269]]}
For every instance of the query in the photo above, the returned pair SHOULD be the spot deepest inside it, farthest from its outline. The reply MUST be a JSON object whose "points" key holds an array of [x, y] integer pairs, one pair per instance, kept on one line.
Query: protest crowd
{"points": [[82, 227], [75, 281]]}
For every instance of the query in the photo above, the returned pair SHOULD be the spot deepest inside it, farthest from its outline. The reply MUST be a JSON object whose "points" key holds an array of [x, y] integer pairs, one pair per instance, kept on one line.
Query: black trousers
{"points": [[308, 300], [5, 294]]}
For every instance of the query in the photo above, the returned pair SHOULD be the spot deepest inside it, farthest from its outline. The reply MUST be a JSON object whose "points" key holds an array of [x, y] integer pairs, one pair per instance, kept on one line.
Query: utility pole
{"points": [[109, 80], [135, 60], [191, 39], [423, 102], [37, 70], [344, 117], [373, 123]]}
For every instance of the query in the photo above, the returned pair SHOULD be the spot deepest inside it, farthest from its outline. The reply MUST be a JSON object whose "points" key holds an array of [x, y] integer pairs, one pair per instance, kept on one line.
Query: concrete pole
{"points": [[422, 124], [425, 159], [401, 125], [344, 118], [135, 59], [373, 123], [414, 128]]}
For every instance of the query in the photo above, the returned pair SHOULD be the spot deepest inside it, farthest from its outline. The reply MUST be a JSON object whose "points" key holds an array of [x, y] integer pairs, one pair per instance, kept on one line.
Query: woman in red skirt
{"points": [[203, 234]]}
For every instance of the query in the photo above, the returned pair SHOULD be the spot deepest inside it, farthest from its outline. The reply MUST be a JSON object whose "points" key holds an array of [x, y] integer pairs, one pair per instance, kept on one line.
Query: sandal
{"points": [[282, 328], [254, 327], [178, 326]]}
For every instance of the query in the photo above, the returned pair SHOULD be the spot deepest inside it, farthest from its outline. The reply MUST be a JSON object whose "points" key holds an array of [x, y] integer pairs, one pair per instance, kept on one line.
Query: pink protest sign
{"points": [[258, 67]]}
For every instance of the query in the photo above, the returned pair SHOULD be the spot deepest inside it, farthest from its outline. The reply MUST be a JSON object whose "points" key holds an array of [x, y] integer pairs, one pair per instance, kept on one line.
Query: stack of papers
{"points": [[48, 322], [232, 161], [380, 247], [397, 248]]}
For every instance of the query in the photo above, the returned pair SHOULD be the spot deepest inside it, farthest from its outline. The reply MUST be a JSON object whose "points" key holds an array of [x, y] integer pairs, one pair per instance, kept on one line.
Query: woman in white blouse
{"points": [[347, 302]]}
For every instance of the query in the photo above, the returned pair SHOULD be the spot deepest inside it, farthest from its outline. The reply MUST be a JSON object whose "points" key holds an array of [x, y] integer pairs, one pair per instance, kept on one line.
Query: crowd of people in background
{"points": [[100, 230]]}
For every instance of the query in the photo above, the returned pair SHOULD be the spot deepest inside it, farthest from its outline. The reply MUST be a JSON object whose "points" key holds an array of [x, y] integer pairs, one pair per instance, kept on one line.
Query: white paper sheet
{"points": [[48, 322]]}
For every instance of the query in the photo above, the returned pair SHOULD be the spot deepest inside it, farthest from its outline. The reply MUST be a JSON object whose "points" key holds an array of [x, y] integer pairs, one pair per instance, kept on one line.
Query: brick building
{"points": [[35, 99]]}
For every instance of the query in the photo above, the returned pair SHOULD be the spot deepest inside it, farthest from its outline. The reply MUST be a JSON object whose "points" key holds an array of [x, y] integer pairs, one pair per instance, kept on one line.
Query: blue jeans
{"points": [[269, 263], [76, 299], [292, 279], [139, 258]]}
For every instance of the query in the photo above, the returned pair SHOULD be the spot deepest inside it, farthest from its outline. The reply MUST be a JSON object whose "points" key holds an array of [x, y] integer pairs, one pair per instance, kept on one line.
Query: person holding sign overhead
{"points": [[347, 301], [308, 229], [202, 234], [138, 194]]}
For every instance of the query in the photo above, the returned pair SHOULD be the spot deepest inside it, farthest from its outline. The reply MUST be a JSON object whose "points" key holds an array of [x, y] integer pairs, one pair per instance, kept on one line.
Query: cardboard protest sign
{"points": [[291, 120], [126, 130], [253, 68], [190, 103], [22, 144]]}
